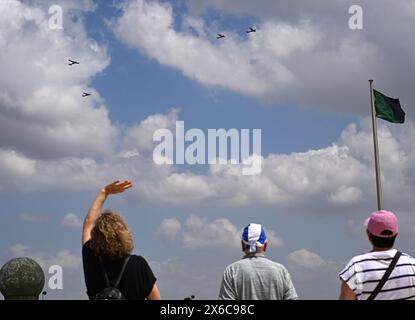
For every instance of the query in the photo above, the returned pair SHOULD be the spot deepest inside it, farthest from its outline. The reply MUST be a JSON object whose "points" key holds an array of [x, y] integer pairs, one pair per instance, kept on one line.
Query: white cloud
{"points": [[67, 174], [273, 240], [218, 234], [345, 195], [305, 259], [200, 59], [15, 164], [198, 233], [71, 220], [301, 55], [140, 137], [169, 266], [169, 229], [19, 250], [63, 258], [332, 179], [42, 113], [185, 187], [327, 180]]}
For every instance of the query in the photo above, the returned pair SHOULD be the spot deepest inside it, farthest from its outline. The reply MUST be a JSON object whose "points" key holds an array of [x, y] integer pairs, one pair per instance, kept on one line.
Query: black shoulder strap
{"points": [[122, 271], [107, 281], [385, 276]]}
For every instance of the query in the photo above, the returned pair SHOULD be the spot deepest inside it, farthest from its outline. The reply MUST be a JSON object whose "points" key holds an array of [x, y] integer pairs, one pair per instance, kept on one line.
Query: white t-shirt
{"points": [[363, 273]]}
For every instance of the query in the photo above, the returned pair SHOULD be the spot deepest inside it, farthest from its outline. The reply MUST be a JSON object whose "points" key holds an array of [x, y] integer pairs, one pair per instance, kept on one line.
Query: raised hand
{"points": [[96, 207], [117, 187]]}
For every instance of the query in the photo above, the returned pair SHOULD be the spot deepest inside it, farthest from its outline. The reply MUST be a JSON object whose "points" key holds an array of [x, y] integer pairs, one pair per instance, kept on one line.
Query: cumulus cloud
{"points": [[139, 138], [42, 113], [71, 220], [63, 258], [308, 268], [346, 195], [301, 53], [199, 58], [274, 241], [169, 229], [19, 250], [305, 259], [218, 234], [69, 173], [328, 180]]}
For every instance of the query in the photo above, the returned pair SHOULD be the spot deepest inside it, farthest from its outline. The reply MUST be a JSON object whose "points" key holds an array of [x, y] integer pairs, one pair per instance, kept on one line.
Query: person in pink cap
{"points": [[384, 273]]}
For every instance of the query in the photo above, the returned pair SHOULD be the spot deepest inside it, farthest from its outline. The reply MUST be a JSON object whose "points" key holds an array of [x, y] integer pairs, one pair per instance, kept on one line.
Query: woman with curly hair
{"points": [[107, 244]]}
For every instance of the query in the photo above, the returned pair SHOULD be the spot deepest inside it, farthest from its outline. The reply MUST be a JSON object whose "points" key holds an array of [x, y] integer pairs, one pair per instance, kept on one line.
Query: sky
{"points": [[302, 78]]}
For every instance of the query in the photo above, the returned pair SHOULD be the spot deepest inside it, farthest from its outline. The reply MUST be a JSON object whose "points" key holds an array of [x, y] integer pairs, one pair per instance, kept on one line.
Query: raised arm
{"points": [[96, 207]]}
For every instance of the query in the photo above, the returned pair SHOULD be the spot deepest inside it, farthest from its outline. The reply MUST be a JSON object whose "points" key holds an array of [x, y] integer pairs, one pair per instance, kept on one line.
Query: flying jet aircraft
{"points": [[72, 62]]}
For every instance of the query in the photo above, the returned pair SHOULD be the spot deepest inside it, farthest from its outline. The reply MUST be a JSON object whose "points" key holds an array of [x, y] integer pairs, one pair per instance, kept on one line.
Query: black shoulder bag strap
{"points": [[121, 272], [107, 281], [385, 276]]}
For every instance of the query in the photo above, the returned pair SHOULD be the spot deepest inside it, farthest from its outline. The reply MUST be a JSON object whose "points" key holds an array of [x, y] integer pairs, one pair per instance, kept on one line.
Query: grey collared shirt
{"points": [[256, 278]]}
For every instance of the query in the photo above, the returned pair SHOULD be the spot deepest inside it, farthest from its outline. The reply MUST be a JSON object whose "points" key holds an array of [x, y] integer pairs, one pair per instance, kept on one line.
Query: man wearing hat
{"points": [[255, 277], [384, 273]]}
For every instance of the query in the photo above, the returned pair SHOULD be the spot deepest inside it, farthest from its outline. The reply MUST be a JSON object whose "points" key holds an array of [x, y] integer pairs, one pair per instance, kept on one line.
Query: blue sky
{"points": [[127, 86], [301, 79]]}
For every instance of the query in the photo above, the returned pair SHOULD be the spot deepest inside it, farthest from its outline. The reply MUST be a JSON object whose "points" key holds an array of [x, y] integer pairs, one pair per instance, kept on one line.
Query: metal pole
{"points": [[376, 149]]}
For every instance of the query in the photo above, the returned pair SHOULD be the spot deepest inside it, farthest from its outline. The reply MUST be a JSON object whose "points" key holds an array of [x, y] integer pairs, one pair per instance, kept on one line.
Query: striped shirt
{"points": [[363, 273]]}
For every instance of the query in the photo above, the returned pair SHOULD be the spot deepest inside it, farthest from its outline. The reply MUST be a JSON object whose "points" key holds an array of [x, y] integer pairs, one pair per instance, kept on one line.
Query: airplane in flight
{"points": [[220, 36], [251, 30], [86, 94], [72, 62]]}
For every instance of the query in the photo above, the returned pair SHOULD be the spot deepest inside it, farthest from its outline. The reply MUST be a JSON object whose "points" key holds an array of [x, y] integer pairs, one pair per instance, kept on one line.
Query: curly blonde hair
{"points": [[111, 238]]}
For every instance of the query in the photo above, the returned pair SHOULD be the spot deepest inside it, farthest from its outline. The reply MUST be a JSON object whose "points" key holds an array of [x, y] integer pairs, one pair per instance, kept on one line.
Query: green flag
{"points": [[388, 109]]}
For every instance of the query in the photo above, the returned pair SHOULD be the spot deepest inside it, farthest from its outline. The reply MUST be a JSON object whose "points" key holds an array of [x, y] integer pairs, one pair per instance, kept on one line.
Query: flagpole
{"points": [[376, 149]]}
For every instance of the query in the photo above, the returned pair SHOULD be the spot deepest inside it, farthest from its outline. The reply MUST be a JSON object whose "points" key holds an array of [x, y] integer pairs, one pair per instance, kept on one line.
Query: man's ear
{"points": [[265, 246], [243, 246], [368, 236]]}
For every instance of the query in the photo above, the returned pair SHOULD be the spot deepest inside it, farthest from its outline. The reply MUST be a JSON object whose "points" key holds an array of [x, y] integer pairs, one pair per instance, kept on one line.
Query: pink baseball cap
{"points": [[381, 221]]}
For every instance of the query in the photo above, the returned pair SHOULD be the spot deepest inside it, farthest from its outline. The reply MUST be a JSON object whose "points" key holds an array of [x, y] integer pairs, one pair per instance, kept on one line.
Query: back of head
{"points": [[111, 238], [383, 228], [254, 237]]}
